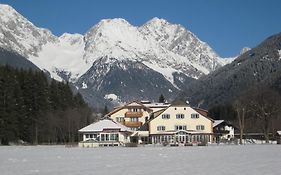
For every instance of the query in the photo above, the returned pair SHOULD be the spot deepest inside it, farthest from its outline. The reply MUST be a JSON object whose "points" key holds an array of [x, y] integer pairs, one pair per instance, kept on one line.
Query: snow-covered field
{"points": [[210, 160]]}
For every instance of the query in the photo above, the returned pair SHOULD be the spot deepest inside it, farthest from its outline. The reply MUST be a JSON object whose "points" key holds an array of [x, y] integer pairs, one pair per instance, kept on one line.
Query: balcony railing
{"points": [[133, 124], [133, 114]]}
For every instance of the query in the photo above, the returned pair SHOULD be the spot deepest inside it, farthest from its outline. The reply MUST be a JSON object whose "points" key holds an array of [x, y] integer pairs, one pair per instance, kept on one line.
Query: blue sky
{"points": [[226, 25]]}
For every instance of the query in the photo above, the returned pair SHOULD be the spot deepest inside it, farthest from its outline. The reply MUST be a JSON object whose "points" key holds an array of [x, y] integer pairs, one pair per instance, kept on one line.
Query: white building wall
{"points": [[122, 112], [170, 124]]}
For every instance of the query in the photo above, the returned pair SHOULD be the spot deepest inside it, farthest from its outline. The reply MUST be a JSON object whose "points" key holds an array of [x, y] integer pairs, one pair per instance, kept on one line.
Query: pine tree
{"points": [[36, 110], [105, 110], [161, 99]]}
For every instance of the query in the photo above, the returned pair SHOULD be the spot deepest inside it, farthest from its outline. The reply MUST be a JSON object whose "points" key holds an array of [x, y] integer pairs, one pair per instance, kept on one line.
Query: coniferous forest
{"points": [[35, 109]]}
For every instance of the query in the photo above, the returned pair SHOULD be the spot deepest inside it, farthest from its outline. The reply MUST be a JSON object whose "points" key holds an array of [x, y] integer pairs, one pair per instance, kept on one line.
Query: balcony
{"points": [[133, 124], [133, 114]]}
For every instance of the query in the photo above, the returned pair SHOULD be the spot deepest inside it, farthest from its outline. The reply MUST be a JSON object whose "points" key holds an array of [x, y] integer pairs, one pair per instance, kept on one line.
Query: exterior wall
{"points": [[120, 113], [127, 120], [122, 139], [122, 136], [170, 124]]}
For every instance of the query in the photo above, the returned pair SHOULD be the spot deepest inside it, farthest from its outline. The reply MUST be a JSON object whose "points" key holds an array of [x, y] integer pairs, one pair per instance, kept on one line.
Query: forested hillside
{"points": [[35, 109]]}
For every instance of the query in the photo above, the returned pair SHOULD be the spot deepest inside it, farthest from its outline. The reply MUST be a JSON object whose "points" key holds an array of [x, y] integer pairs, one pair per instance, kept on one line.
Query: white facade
{"points": [[132, 115], [164, 123], [180, 124], [104, 133]]}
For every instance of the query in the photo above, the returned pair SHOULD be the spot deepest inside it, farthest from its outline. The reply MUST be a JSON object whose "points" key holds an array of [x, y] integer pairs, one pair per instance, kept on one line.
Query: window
{"points": [[180, 116], [184, 108], [175, 108], [166, 116], [114, 137], [102, 137], [200, 127], [110, 137], [120, 119], [87, 135], [135, 110], [134, 119], [161, 128], [180, 127], [194, 115], [133, 129]]}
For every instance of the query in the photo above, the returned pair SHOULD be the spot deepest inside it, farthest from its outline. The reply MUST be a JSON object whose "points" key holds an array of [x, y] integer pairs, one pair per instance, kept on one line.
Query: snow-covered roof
{"points": [[156, 105], [279, 133], [131, 104], [105, 124], [134, 104], [217, 122]]}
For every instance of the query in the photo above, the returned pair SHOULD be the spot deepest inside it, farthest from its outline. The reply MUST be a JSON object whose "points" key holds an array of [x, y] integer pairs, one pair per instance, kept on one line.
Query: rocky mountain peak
{"points": [[159, 22], [244, 50], [109, 28], [180, 41], [113, 50], [72, 38], [115, 38], [19, 34]]}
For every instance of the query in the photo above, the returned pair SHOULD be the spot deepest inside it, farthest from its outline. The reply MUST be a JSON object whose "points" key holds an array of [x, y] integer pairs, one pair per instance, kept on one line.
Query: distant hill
{"points": [[15, 60], [261, 64]]}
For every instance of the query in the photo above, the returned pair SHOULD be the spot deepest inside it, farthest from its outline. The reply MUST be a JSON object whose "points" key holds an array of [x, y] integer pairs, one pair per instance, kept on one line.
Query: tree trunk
{"points": [[266, 129], [36, 134], [241, 118]]}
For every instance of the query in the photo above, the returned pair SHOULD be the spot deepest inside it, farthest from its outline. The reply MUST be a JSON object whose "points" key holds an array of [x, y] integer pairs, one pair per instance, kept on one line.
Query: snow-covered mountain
{"points": [[157, 50], [20, 35], [256, 67], [180, 41]]}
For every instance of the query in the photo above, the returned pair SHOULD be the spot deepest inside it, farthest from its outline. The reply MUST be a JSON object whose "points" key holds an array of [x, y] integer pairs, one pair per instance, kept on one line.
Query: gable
{"points": [[134, 104], [187, 110], [130, 105]]}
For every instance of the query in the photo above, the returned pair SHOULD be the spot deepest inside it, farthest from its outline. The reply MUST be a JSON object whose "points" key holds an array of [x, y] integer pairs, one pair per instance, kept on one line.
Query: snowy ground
{"points": [[210, 160]]}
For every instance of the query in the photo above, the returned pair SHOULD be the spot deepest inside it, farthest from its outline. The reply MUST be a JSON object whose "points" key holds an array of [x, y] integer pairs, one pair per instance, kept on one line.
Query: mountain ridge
{"points": [[175, 53], [257, 66]]}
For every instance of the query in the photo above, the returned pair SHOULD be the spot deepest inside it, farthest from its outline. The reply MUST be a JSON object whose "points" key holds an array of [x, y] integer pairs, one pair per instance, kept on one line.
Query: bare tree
{"points": [[240, 107], [265, 103]]}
